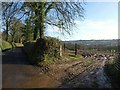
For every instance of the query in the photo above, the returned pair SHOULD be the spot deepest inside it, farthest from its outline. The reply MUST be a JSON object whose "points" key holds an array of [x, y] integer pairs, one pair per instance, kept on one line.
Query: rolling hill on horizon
{"points": [[112, 42]]}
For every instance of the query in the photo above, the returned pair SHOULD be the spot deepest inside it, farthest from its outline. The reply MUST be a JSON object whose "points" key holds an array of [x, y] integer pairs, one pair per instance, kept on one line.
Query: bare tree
{"points": [[59, 14], [15, 29], [9, 10]]}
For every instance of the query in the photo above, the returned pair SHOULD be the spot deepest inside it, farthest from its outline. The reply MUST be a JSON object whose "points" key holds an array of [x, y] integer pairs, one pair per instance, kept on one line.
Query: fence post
{"points": [[75, 48], [64, 47], [60, 50]]}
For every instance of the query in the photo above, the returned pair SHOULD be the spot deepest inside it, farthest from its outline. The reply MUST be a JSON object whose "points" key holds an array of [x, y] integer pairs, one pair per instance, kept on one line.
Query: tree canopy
{"points": [[41, 14]]}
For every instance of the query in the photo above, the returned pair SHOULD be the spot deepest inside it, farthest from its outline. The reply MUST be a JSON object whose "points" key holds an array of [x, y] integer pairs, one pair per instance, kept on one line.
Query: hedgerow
{"points": [[44, 49]]}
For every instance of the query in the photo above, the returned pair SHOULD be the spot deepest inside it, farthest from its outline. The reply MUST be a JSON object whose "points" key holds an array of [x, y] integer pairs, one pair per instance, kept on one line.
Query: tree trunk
{"points": [[21, 40], [41, 32], [6, 31], [35, 33], [36, 26], [12, 39]]}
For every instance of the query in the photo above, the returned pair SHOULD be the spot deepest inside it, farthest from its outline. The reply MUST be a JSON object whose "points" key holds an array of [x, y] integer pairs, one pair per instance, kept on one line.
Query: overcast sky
{"points": [[101, 22]]}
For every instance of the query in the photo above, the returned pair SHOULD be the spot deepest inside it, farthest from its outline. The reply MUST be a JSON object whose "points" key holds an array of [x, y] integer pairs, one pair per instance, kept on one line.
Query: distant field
{"points": [[113, 42]]}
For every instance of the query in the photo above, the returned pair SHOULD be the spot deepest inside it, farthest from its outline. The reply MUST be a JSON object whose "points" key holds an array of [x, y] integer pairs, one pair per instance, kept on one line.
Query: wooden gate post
{"points": [[61, 50], [64, 47], [75, 48]]}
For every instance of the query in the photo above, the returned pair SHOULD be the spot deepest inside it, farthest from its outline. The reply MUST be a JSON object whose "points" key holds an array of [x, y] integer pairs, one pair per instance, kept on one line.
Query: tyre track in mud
{"points": [[64, 76], [71, 80]]}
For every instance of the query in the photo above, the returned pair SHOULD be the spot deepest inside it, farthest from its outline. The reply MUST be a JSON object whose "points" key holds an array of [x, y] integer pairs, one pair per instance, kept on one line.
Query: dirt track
{"points": [[19, 73]]}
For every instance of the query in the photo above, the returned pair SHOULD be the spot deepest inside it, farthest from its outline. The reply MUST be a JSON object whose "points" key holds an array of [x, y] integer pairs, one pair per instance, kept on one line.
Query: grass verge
{"points": [[4, 45], [113, 73], [18, 44]]}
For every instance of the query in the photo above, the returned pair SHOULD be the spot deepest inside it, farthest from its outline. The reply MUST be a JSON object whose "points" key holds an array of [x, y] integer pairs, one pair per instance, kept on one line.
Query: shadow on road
{"points": [[15, 56]]}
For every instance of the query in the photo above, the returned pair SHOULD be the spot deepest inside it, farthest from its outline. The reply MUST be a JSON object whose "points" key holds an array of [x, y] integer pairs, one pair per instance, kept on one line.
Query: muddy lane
{"points": [[95, 78], [17, 72]]}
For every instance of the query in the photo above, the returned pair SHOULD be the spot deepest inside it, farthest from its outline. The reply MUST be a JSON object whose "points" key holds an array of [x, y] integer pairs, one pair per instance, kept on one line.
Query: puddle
{"points": [[98, 78]]}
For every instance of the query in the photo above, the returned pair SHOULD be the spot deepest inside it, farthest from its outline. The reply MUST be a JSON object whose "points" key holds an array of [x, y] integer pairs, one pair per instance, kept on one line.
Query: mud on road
{"points": [[19, 73]]}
